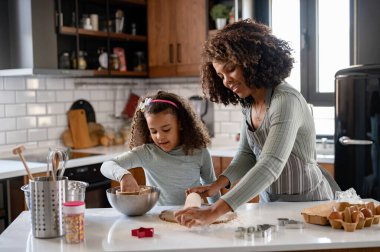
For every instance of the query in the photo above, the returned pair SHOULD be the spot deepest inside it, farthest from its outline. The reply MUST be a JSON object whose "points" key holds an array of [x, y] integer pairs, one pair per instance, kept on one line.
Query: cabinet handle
{"points": [[179, 54], [171, 54]]}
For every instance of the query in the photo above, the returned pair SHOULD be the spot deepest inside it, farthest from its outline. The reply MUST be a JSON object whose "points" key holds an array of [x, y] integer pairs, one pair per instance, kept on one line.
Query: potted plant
{"points": [[219, 14]]}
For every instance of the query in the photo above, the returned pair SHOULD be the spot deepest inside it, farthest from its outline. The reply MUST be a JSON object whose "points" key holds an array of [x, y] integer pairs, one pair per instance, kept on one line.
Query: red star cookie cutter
{"points": [[143, 232]]}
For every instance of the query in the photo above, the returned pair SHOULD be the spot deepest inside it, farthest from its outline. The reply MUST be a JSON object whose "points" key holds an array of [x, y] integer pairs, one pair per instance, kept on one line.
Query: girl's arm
{"points": [[208, 172]]}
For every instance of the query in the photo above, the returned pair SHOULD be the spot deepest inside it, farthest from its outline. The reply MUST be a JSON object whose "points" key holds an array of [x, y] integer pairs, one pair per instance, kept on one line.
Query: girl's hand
{"points": [[195, 217], [211, 189], [205, 191], [129, 184]]}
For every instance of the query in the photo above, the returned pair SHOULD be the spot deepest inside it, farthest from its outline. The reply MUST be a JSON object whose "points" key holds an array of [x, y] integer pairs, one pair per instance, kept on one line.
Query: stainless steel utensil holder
{"points": [[47, 198]]}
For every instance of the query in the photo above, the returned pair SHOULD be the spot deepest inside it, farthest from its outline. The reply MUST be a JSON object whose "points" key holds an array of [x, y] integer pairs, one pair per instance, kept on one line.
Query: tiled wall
{"points": [[33, 109]]}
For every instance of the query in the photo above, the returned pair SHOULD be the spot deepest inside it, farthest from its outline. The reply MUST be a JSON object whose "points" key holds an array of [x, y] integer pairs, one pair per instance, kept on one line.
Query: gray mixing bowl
{"points": [[133, 205]]}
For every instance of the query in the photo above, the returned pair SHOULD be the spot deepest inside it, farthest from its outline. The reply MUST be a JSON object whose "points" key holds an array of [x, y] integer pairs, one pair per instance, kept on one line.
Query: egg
{"points": [[335, 215], [357, 215], [378, 209], [367, 212]]}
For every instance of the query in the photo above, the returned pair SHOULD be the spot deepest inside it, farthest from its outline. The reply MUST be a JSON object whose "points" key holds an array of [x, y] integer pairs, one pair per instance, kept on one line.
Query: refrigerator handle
{"points": [[345, 140]]}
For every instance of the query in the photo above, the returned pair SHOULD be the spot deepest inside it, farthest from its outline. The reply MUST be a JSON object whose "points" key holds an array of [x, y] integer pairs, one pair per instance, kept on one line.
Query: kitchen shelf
{"points": [[67, 30]]}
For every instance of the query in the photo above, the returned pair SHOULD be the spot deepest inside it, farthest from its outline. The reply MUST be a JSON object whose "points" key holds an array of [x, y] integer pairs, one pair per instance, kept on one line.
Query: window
{"points": [[319, 33]]}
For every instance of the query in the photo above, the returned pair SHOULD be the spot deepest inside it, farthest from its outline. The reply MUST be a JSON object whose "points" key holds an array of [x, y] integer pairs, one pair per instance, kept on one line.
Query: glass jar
{"points": [[114, 62], [139, 61], [64, 61], [73, 212], [82, 63]]}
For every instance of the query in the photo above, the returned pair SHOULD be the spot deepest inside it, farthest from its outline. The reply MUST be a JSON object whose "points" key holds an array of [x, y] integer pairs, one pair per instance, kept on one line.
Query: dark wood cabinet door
{"points": [[161, 38]]}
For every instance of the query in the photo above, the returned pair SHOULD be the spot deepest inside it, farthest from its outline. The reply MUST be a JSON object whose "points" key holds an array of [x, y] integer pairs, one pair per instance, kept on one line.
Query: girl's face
{"points": [[164, 129], [232, 77]]}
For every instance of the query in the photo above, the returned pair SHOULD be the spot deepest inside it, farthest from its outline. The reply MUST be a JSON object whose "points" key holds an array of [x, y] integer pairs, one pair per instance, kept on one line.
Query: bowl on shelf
{"points": [[133, 205]]}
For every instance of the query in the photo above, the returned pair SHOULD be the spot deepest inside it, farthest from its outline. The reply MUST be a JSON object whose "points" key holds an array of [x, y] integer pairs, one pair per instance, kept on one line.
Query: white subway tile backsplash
{"points": [[55, 83], [37, 134], [14, 83], [64, 96], [55, 133], [236, 116], [106, 106], [1, 83], [27, 122], [221, 116], [97, 95], [13, 137], [7, 123], [7, 97], [34, 83], [2, 110], [2, 138], [36, 109], [25, 96], [69, 84], [46, 96], [46, 121], [62, 120], [15, 110], [82, 95], [230, 128], [55, 108]]}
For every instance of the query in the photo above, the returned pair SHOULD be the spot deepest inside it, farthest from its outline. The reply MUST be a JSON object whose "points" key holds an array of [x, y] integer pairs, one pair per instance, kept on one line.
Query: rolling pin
{"points": [[193, 200]]}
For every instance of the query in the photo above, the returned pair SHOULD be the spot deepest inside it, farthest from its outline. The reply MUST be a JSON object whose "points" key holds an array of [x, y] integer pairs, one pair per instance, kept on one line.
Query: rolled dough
{"points": [[168, 215]]}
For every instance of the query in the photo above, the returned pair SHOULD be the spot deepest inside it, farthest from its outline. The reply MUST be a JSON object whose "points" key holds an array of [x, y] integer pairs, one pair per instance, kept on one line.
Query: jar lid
{"points": [[73, 207]]}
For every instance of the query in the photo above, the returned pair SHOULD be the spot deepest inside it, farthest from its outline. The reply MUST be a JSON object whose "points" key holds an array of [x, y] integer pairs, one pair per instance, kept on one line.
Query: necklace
{"points": [[258, 114]]}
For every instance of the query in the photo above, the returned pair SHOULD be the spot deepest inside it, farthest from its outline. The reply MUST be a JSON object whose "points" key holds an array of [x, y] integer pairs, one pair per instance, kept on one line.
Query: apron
{"points": [[321, 187]]}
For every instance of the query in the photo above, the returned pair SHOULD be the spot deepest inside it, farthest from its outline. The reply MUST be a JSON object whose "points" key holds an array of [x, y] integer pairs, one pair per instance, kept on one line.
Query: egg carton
{"points": [[343, 215]]}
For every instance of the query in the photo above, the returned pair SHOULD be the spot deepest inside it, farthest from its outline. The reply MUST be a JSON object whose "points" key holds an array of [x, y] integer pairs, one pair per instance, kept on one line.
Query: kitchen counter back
{"points": [[108, 230]]}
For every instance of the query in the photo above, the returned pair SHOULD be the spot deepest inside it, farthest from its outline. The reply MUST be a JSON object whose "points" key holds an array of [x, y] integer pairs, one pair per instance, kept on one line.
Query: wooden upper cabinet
{"points": [[176, 33]]}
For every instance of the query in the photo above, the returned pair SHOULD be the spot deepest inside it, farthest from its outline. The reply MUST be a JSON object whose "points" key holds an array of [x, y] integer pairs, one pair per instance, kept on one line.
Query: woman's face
{"points": [[164, 129], [232, 77]]}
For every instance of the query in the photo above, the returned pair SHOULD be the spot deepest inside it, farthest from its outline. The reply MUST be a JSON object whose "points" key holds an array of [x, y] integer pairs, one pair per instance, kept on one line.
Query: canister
{"points": [[73, 212]]}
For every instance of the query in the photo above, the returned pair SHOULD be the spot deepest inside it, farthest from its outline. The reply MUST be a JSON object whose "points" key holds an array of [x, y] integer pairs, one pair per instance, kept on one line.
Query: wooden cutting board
{"points": [[79, 129]]}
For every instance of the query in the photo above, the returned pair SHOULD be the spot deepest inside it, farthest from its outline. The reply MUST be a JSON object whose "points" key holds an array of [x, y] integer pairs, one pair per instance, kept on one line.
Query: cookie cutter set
{"points": [[266, 230]]}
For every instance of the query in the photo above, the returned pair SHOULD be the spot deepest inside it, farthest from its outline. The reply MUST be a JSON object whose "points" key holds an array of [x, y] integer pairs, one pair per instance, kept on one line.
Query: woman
{"points": [[244, 63]]}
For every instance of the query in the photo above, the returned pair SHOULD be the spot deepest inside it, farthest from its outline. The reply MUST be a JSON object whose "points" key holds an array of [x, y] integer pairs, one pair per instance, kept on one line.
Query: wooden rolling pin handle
{"points": [[193, 200]]}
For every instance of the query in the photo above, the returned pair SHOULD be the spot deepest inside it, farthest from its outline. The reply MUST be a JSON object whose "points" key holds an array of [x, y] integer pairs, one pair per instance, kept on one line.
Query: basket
{"points": [[46, 205]]}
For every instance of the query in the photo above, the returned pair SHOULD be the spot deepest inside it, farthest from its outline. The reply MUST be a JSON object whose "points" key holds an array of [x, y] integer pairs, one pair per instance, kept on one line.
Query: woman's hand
{"points": [[201, 216], [211, 189], [129, 184]]}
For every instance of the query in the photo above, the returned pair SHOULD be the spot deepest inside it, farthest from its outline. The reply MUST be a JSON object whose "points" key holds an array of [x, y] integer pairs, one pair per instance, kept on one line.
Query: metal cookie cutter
{"points": [[143, 232], [260, 231], [290, 224]]}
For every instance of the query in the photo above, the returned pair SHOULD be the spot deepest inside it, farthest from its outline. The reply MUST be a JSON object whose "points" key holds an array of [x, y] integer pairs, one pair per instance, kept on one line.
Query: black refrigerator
{"points": [[357, 125]]}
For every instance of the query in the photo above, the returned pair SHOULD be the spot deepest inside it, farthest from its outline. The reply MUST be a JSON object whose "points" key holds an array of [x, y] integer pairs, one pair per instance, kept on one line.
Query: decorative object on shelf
{"points": [[114, 62], [133, 29], [119, 21], [220, 14], [139, 61], [82, 63], [103, 58], [94, 21], [119, 51], [64, 61], [86, 22]]}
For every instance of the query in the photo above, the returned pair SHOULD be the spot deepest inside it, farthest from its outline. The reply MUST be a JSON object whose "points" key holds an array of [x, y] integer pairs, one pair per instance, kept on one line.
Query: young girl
{"points": [[169, 141]]}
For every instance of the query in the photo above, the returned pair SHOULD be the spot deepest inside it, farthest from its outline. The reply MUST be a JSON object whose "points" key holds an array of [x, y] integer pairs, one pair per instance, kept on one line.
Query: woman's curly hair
{"points": [[265, 60], [193, 133]]}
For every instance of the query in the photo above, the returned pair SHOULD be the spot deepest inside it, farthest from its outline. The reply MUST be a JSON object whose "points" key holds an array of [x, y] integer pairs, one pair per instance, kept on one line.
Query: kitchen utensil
{"points": [[133, 205], [78, 128], [58, 158], [46, 202], [131, 105], [143, 232], [18, 151], [76, 191]]}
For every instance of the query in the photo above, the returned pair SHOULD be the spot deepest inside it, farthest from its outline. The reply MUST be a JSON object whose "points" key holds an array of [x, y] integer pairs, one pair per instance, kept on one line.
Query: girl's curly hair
{"points": [[265, 60], [193, 133]]}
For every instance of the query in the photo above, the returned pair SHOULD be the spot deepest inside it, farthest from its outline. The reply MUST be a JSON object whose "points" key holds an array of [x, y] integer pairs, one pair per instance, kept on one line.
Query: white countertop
{"points": [[108, 230], [9, 169]]}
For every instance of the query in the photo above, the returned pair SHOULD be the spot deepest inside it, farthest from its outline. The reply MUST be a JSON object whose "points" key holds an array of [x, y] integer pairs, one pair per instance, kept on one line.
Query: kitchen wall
{"points": [[33, 109]]}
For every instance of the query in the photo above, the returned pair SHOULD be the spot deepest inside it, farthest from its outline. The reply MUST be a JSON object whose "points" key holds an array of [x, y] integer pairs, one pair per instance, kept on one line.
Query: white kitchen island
{"points": [[108, 230]]}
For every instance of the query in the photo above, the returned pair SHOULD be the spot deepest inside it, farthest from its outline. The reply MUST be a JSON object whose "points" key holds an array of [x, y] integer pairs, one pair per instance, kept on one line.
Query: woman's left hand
{"points": [[190, 217], [195, 217]]}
